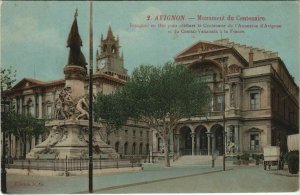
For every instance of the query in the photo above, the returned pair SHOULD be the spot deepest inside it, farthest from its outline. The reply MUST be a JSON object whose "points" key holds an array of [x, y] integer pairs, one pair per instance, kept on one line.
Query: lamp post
{"points": [[4, 110], [91, 101], [224, 120]]}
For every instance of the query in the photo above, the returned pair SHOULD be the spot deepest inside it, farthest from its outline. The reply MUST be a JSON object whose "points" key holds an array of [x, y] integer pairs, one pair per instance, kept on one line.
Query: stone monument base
{"points": [[69, 138]]}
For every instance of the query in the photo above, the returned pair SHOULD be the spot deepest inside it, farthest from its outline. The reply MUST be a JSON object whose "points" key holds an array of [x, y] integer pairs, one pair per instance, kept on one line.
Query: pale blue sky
{"points": [[35, 33]]}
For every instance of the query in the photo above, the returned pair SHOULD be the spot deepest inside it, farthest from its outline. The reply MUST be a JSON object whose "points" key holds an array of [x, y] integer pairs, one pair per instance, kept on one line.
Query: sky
{"points": [[34, 34]]}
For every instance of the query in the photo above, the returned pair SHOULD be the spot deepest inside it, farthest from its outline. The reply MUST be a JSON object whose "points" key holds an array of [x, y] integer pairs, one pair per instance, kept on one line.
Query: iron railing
{"points": [[75, 164]]}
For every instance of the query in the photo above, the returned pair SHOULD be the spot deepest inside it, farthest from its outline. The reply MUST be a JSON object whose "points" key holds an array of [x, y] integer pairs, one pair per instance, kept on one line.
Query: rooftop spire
{"points": [[109, 33], [74, 42]]}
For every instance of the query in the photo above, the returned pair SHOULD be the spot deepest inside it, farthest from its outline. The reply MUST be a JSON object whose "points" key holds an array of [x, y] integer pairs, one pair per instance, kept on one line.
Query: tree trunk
{"points": [[24, 148], [166, 151], [9, 138]]}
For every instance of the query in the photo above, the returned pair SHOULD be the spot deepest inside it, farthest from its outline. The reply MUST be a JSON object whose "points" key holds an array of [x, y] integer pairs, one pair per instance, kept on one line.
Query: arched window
{"points": [[126, 148], [117, 146], [133, 148], [141, 149]]}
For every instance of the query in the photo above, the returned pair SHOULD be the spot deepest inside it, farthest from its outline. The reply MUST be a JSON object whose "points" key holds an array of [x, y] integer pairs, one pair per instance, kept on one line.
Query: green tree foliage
{"points": [[23, 126], [162, 96], [8, 77], [108, 110]]}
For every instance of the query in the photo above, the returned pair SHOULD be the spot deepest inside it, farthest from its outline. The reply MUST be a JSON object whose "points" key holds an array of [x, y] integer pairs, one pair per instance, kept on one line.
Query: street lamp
{"points": [[4, 110], [91, 100]]}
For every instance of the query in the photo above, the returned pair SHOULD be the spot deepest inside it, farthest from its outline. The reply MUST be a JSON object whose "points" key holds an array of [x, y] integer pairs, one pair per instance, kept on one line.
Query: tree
{"points": [[23, 126], [8, 77], [108, 110], [162, 95]]}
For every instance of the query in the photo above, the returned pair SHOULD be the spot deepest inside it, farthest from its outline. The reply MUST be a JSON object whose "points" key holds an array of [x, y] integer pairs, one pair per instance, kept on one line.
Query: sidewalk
{"points": [[157, 179], [79, 184]]}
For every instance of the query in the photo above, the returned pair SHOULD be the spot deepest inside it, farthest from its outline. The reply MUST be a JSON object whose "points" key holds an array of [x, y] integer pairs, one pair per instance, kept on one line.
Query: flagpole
{"points": [[91, 102]]}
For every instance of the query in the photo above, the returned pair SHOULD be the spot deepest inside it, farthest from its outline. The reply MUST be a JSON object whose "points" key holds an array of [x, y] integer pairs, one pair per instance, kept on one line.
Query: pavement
{"points": [[158, 179]]}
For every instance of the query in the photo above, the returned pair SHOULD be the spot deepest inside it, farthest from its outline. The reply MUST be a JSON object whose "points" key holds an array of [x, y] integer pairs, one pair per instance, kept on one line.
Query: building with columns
{"points": [[31, 96], [254, 97]]}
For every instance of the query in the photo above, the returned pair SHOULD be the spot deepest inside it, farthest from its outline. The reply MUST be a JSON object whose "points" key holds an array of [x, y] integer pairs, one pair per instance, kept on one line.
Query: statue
{"points": [[64, 105], [230, 147], [82, 106], [74, 42]]}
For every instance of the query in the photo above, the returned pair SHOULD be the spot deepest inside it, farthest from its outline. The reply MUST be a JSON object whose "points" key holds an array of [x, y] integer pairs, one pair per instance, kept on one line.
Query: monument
{"points": [[68, 134]]}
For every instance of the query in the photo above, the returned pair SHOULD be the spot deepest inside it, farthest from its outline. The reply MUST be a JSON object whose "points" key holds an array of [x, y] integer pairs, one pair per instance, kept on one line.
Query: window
{"points": [[141, 133], [133, 132], [207, 78], [220, 103], [254, 142], [254, 101], [126, 148], [30, 108], [49, 111], [141, 149], [126, 132], [117, 146], [160, 145], [133, 148], [148, 134]]}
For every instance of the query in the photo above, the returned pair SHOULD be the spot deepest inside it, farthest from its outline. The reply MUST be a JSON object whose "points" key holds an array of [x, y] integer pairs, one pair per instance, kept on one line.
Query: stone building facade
{"points": [[254, 98], [30, 96]]}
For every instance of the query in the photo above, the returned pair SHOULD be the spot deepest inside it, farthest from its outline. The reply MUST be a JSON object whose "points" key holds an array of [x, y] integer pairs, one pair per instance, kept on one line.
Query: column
{"points": [[193, 143], [53, 105], [198, 144], [213, 145], [34, 105], [208, 144], [21, 104], [16, 104], [237, 138], [40, 107], [178, 148]]}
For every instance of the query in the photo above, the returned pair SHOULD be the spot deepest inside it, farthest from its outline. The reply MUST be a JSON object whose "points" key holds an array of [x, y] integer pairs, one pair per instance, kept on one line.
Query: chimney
{"points": [[251, 58]]}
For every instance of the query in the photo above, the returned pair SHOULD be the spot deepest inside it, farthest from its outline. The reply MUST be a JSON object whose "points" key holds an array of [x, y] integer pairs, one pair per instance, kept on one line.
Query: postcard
{"points": [[246, 52]]}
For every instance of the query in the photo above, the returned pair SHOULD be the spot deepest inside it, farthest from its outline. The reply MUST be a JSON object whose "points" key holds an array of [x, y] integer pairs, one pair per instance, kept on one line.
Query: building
{"points": [[254, 98], [30, 96]]}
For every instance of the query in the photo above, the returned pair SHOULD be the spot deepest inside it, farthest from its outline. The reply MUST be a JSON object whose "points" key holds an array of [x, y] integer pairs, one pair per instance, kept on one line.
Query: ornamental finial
{"points": [[76, 13]]}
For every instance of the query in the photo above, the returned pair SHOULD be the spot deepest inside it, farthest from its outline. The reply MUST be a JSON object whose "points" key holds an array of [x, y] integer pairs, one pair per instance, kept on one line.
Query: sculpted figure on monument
{"points": [[82, 107], [64, 105]]}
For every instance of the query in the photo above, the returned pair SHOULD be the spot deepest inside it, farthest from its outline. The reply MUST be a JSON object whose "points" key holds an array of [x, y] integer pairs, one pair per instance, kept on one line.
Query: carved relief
{"points": [[67, 108], [206, 47], [234, 69]]}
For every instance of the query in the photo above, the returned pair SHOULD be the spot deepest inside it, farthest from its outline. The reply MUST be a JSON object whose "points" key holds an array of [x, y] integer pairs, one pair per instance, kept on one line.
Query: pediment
{"points": [[200, 47], [27, 83]]}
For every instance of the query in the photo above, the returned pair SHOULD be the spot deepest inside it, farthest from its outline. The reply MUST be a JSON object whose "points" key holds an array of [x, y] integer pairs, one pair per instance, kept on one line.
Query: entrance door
{"points": [[186, 141], [203, 142], [219, 140]]}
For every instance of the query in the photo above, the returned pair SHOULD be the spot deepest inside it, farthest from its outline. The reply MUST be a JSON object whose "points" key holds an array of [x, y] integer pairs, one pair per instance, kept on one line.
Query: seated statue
{"points": [[82, 107]]}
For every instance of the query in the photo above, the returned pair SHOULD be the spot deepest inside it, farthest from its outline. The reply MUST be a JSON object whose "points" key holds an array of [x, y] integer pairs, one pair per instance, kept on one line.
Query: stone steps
{"points": [[197, 160]]}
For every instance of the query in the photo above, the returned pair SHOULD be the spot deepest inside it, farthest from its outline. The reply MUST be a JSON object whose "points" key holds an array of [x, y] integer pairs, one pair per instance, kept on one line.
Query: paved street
{"points": [[157, 179]]}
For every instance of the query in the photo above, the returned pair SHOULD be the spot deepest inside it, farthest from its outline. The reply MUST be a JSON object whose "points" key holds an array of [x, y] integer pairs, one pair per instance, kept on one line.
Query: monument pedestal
{"points": [[70, 138]]}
